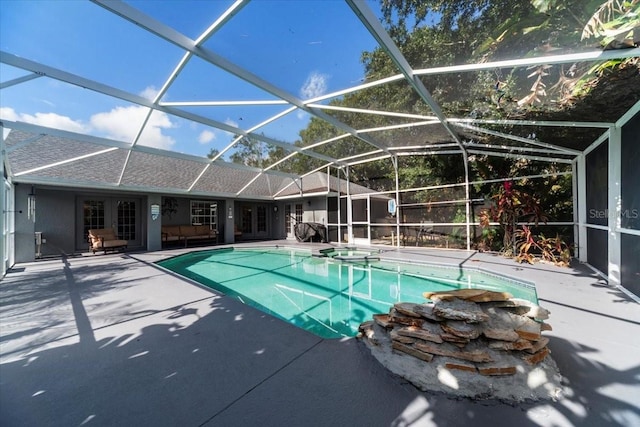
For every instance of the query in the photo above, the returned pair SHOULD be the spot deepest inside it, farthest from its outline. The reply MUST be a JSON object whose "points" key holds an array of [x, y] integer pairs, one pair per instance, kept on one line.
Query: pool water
{"points": [[323, 295]]}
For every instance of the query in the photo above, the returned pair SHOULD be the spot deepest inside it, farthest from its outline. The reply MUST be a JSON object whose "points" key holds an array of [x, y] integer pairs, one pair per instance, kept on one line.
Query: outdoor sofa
{"points": [[187, 233], [105, 239]]}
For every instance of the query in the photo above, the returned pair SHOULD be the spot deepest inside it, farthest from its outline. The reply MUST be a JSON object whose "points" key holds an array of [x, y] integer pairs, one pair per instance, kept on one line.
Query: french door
{"points": [[360, 220], [254, 221], [121, 214], [292, 216]]}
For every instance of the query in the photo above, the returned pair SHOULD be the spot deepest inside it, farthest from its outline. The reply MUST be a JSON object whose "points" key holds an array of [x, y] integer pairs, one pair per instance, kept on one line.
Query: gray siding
{"points": [[56, 218]]}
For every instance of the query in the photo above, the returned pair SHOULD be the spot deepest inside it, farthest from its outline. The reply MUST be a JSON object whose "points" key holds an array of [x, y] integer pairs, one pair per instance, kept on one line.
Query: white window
{"points": [[204, 212]]}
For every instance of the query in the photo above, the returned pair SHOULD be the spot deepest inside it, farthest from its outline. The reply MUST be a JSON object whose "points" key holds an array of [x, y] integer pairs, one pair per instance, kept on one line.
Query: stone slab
{"points": [[452, 351], [412, 351], [457, 309]]}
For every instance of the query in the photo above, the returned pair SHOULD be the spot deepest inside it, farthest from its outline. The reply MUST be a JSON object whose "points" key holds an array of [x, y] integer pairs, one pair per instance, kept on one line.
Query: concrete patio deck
{"points": [[113, 340]]}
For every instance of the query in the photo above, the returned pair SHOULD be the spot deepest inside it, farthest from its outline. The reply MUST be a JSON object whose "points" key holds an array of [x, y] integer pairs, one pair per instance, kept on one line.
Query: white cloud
{"points": [[314, 86], [123, 123], [231, 122], [206, 136], [7, 113], [150, 93], [51, 120]]}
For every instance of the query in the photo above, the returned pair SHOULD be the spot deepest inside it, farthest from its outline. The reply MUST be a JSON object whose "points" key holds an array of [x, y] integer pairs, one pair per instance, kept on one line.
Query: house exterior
{"points": [[53, 201], [56, 185]]}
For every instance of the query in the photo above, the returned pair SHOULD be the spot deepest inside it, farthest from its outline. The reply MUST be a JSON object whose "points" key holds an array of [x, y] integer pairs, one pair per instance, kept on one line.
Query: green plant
{"points": [[614, 22], [458, 233], [531, 247], [511, 206]]}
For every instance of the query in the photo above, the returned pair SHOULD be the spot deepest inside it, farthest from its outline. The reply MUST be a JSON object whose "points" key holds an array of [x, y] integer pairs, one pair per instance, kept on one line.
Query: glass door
{"points": [[289, 221], [293, 214], [360, 214], [123, 215], [262, 225], [126, 225], [246, 220], [93, 215]]}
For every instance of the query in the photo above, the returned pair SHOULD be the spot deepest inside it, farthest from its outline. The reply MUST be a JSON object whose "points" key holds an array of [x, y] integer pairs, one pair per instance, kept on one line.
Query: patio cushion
{"points": [[103, 239]]}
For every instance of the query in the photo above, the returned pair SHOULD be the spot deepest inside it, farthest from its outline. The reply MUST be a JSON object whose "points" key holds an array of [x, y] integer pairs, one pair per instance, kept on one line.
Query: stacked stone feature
{"points": [[471, 330]]}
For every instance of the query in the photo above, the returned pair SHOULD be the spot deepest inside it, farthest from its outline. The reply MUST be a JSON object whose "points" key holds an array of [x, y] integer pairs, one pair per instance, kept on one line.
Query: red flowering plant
{"points": [[510, 206]]}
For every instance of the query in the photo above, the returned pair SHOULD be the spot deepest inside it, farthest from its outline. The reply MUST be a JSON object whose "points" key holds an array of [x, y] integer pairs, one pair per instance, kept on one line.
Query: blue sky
{"points": [[307, 48]]}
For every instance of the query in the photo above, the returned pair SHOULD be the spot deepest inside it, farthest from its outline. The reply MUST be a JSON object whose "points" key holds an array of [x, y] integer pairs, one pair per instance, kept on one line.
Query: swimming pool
{"points": [[327, 296]]}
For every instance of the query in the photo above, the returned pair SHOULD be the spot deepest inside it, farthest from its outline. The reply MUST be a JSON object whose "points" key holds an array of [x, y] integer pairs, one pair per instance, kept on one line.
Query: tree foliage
{"points": [[433, 33]]}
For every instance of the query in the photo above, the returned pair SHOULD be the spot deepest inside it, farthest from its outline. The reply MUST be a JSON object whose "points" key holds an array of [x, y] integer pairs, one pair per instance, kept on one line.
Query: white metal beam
{"points": [[28, 127], [614, 206], [373, 159], [374, 26], [595, 144], [326, 141], [520, 139], [460, 184], [357, 156], [51, 72], [222, 103], [167, 33], [520, 156], [424, 146], [553, 123], [263, 171], [64, 162], [19, 80], [425, 152], [592, 56], [42, 131], [399, 126], [373, 112], [177, 70], [237, 139], [581, 207], [628, 115], [23, 143], [511, 148]]}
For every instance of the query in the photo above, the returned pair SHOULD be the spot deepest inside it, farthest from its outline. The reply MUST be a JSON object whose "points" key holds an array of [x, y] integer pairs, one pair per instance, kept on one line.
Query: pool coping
{"points": [[361, 261], [594, 340]]}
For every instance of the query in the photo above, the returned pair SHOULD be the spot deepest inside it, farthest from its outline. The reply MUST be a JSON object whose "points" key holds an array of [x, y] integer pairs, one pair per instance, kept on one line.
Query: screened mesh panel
{"points": [[598, 249], [597, 178], [376, 175], [629, 265]]}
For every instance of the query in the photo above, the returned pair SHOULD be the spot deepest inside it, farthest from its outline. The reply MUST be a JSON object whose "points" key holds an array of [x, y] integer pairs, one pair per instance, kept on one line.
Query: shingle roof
{"points": [[41, 157]]}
